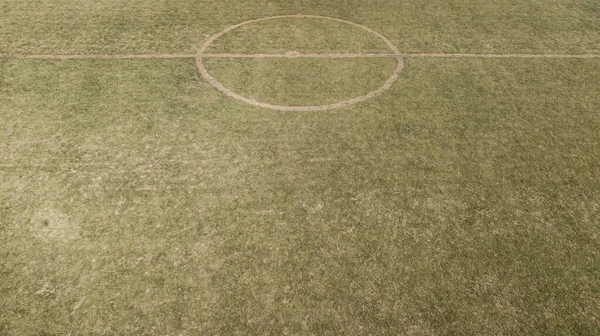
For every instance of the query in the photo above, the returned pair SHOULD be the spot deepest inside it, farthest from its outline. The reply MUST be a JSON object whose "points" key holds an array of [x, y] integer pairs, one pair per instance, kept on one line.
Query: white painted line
{"points": [[292, 54], [423, 55], [441, 55], [297, 55], [96, 57]]}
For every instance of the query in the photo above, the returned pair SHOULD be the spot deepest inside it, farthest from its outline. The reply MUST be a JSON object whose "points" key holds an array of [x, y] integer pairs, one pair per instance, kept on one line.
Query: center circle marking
{"points": [[293, 54]]}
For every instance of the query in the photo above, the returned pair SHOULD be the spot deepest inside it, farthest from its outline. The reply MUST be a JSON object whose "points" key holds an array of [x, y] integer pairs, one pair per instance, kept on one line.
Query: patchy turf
{"points": [[177, 26], [138, 199], [135, 198]]}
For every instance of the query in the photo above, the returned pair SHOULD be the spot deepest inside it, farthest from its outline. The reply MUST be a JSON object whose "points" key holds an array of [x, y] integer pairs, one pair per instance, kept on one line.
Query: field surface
{"points": [[136, 198]]}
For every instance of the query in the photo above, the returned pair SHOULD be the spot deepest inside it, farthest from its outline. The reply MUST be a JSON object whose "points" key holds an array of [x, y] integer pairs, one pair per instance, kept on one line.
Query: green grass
{"points": [[136, 199]]}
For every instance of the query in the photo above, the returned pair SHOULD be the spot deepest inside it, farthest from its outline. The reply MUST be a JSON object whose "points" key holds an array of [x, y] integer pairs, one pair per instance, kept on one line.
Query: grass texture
{"points": [[136, 199], [177, 26]]}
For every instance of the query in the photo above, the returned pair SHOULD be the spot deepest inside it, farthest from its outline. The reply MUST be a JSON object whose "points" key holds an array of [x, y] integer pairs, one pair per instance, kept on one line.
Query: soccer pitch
{"points": [[299, 167]]}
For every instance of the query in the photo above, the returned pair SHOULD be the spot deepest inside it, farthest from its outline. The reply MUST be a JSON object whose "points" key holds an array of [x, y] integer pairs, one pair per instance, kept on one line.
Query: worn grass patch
{"points": [[137, 199]]}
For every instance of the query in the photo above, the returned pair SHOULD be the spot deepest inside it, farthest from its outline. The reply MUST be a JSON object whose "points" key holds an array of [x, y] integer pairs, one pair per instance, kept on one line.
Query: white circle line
{"points": [[213, 81]]}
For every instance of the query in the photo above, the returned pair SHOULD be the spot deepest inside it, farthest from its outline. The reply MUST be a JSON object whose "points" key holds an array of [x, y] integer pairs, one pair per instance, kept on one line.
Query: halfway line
{"points": [[93, 57], [294, 55], [442, 55], [437, 55]]}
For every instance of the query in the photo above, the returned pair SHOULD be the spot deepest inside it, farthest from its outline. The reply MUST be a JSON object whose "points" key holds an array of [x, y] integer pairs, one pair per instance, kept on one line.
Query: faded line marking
{"points": [[214, 82], [295, 55], [298, 55], [96, 57], [442, 55], [434, 55]]}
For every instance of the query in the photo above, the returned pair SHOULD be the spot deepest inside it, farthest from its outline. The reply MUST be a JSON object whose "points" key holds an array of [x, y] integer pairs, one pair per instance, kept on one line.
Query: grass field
{"points": [[137, 199]]}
